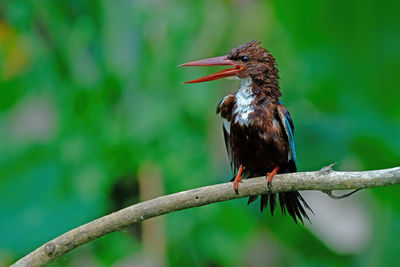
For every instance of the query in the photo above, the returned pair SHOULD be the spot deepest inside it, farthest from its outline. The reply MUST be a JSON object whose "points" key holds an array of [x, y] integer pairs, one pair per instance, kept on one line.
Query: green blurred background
{"points": [[94, 117]]}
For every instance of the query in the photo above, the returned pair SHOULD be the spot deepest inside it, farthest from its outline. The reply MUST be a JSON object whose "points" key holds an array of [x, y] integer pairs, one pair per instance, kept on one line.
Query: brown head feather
{"points": [[258, 64]]}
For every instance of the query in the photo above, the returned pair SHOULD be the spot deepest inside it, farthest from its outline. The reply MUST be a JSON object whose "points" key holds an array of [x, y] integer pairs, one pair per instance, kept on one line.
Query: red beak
{"points": [[214, 61]]}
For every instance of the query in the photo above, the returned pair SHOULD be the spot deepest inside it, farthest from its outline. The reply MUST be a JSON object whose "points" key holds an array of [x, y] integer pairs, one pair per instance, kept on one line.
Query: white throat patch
{"points": [[244, 98]]}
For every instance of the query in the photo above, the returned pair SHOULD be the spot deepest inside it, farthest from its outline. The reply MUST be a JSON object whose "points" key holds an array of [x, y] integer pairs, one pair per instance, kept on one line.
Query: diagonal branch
{"points": [[324, 180]]}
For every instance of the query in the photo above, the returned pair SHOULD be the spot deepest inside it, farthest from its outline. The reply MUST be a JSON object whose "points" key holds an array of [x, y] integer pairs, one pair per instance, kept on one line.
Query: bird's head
{"points": [[248, 60]]}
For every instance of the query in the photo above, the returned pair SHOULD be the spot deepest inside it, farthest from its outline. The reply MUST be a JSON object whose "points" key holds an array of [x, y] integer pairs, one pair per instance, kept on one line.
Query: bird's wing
{"points": [[226, 127], [225, 108], [287, 123]]}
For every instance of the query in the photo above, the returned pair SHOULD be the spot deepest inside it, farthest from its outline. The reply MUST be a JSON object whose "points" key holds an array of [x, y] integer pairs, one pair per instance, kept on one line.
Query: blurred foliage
{"points": [[89, 91]]}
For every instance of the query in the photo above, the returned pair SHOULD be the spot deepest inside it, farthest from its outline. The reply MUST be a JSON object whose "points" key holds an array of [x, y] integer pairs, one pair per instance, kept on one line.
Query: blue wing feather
{"points": [[289, 129], [289, 132]]}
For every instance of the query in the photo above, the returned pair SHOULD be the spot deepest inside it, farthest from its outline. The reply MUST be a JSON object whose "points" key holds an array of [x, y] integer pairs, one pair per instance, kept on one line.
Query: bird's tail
{"points": [[292, 202]]}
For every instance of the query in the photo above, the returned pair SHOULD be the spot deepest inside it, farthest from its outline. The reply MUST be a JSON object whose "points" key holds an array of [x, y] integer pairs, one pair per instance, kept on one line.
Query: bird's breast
{"points": [[244, 105]]}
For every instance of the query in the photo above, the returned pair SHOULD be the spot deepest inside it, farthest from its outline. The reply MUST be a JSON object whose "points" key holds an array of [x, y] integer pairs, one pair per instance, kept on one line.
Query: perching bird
{"points": [[257, 127]]}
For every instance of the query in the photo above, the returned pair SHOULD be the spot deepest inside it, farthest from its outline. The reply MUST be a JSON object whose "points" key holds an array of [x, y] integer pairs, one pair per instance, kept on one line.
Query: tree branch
{"points": [[324, 180]]}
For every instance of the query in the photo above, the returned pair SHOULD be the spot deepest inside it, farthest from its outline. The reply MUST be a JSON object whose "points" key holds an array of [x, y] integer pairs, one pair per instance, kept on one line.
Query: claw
{"points": [[270, 176], [236, 188]]}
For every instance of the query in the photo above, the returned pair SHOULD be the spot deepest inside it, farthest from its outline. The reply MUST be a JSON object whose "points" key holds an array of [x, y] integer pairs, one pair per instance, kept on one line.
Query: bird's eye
{"points": [[244, 58]]}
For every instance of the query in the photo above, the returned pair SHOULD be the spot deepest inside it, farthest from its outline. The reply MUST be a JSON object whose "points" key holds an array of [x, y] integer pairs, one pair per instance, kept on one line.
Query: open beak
{"points": [[214, 61]]}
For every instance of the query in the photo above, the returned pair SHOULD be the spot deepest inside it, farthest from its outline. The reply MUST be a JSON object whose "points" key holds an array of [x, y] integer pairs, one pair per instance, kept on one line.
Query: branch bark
{"points": [[324, 180]]}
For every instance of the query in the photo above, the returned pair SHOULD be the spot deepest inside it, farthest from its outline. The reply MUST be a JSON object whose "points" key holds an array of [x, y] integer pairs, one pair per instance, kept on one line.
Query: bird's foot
{"points": [[270, 176], [238, 178]]}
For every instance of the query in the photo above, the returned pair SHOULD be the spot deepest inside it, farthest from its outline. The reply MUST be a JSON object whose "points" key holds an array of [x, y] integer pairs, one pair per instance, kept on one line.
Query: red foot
{"points": [[270, 175], [238, 178]]}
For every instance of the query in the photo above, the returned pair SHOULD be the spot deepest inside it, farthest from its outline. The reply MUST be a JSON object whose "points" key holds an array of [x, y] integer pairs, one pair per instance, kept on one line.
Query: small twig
{"points": [[320, 180], [327, 169], [331, 195]]}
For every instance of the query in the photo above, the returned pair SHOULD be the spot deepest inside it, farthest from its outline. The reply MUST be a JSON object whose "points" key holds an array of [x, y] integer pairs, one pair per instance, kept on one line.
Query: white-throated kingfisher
{"points": [[257, 127]]}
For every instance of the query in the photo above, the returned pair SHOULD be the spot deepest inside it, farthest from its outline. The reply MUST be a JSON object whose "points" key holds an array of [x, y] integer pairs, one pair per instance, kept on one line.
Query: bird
{"points": [[258, 129]]}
